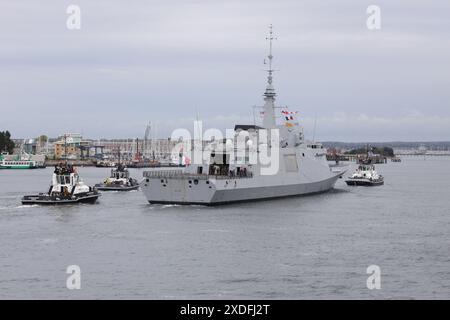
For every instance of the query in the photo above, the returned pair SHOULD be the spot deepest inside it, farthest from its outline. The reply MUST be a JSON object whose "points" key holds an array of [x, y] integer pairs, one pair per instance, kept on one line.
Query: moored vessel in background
{"points": [[19, 162], [105, 164]]}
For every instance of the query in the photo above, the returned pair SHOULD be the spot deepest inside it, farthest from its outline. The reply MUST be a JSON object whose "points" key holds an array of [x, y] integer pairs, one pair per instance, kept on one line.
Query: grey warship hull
{"points": [[210, 191]]}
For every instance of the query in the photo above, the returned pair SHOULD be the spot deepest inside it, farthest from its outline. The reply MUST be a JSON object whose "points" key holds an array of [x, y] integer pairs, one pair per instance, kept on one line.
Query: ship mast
{"points": [[269, 121]]}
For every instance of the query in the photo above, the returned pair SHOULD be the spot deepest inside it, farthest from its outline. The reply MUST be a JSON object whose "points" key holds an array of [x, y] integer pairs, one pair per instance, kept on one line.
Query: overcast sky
{"points": [[165, 61]]}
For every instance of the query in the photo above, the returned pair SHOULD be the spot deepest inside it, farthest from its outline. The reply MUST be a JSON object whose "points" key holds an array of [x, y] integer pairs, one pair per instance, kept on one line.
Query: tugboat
{"points": [[66, 188], [365, 175], [118, 181]]}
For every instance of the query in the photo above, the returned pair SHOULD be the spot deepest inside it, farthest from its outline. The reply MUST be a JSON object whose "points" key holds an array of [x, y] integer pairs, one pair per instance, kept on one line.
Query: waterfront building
{"points": [[69, 146]]}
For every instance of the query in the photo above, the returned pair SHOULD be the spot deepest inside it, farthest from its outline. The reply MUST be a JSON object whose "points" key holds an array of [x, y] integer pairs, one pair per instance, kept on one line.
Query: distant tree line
{"points": [[6, 144], [384, 151]]}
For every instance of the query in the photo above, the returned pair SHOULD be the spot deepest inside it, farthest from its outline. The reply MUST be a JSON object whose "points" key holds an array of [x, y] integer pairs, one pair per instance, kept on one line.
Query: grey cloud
{"points": [[165, 60]]}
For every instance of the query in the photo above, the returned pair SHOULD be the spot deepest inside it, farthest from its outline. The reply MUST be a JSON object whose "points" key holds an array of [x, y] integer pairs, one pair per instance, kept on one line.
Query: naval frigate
{"points": [[227, 174]]}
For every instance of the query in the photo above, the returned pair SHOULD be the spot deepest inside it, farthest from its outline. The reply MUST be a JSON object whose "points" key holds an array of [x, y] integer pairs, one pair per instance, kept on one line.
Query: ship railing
{"points": [[177, 174]]}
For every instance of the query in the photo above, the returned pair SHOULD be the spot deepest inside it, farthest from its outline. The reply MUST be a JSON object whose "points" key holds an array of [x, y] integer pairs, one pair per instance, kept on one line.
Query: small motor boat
{"points": [[365, 175], [66, 188], [119, 180]]}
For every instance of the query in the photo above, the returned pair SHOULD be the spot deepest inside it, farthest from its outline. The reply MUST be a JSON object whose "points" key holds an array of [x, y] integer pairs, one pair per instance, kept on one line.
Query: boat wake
{"points": [[26, 206], [166, 206], [217, 230]]}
